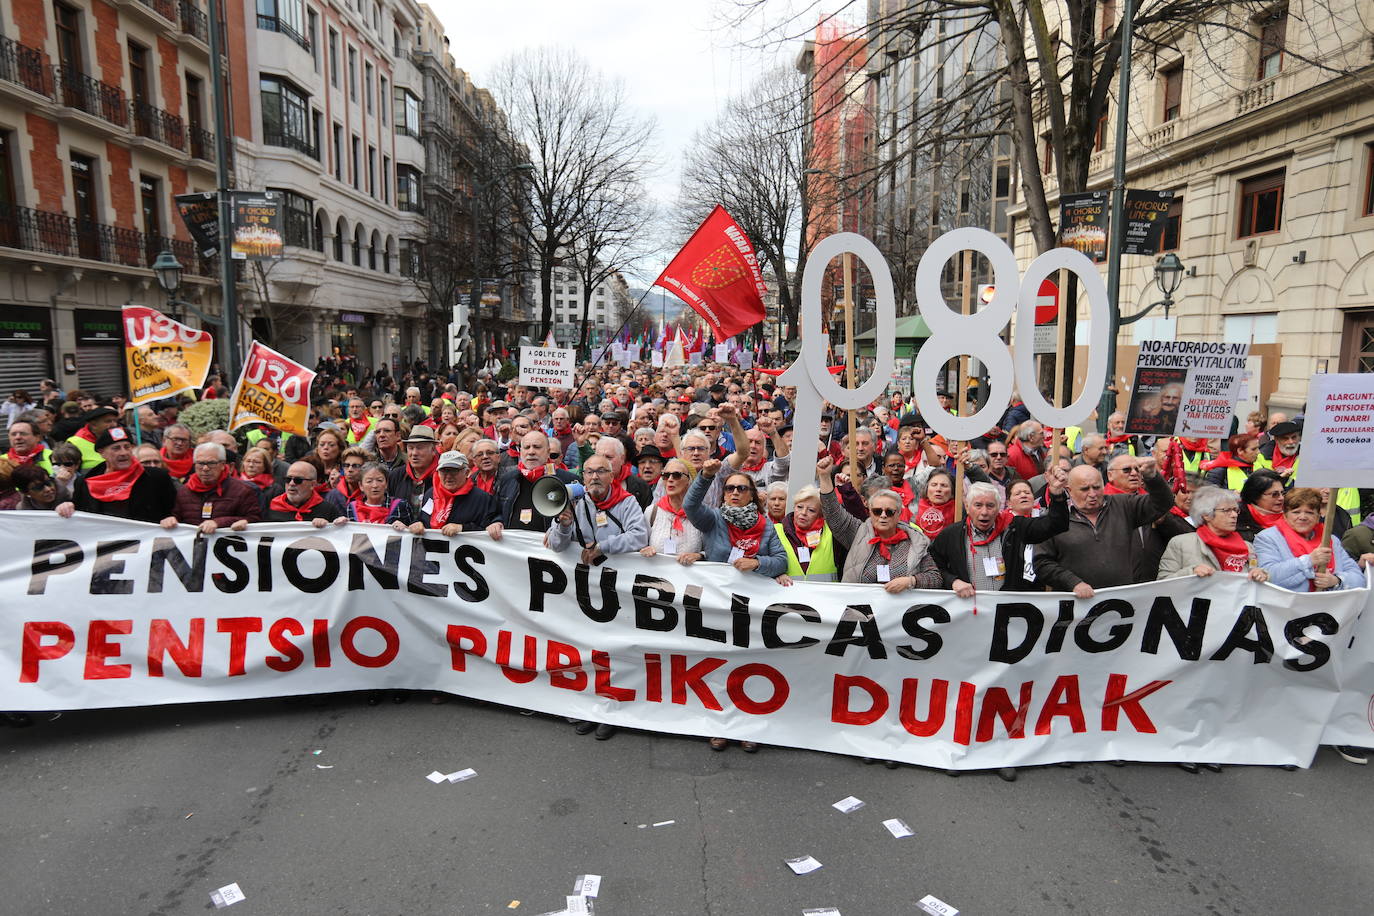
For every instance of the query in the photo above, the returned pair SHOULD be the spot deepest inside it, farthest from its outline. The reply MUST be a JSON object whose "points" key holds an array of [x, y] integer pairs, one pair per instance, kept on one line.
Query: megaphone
{"points": [[551, 496]]}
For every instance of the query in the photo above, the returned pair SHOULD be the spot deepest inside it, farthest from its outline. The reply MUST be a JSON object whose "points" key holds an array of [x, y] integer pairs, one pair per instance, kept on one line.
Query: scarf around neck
{"points": [[1230, 550], [113, 486], [195, 485], [744, 525]]}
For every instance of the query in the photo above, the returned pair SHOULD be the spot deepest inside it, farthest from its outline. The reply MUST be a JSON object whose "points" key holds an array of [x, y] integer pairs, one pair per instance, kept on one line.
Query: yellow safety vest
{"points": [[1348, 498], [350, 438], [1235, 478], [1193, 465], [1071, 436], [822, 567], [1262, 462], [89, 456]]}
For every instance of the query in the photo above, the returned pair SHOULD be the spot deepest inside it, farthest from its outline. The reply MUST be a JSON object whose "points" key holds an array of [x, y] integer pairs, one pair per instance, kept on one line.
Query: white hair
{"points": [[984, 489], [213, 448]]}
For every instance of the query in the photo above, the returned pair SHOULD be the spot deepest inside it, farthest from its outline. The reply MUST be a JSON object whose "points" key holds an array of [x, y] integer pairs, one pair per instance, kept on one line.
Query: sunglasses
{"points": [[300, 480], [352, 465], [880, 512], [675, 475], [737, 487], [65, 464]]}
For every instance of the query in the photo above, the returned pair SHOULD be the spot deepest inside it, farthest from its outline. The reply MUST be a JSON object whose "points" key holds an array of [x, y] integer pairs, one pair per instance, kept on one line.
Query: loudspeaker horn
{"points": [[550, 496]]}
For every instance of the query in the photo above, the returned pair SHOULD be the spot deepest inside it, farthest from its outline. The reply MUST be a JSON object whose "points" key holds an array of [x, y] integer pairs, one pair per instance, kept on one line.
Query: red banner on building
{"points": [[717, 274]]}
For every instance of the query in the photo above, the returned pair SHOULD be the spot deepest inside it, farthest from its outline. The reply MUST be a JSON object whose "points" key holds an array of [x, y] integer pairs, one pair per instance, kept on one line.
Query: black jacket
{"points": [[475, 509], [151, 499], [950, 548]]}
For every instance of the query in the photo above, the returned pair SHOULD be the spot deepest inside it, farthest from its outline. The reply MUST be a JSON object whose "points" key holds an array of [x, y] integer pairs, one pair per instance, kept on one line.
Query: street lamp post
{"points": [[168, 271], [1168, 276], [475, 292]]}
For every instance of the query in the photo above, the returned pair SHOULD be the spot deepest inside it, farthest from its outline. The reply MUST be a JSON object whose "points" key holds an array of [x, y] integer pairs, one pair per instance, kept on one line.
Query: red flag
{"points": [[717, 274]]}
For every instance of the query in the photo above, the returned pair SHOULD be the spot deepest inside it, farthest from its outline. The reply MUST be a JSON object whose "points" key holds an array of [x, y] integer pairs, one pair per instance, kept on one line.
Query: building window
{"points": [[298, 218], [1273, 33], [1173, 226], [338, 152], [150, 200], [1261, 204], [372, 170], [367, 85], [357, 246], [312, 33], [334, 58], [1369, 180], [353, 74], [286, 116], [386, 179], [1171, 91], [407, 114], [405, 253], [340, 230], [408, 189], [286, 17], [1047, 164], [1109, 14], [1100, 134], [382, 95], [357, 162]]}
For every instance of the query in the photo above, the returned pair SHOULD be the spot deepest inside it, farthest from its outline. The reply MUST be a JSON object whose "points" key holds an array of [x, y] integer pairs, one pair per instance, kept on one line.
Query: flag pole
{"points": [[628, 318]]}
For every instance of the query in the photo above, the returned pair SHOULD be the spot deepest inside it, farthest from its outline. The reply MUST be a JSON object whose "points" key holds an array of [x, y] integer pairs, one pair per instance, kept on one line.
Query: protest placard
{"points": [[547, 367], [164, 357], [1338, 432], [1186, 388], [273, 389]]}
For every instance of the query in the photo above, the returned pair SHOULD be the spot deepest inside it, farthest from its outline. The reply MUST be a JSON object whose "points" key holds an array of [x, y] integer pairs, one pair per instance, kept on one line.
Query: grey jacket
{"points": [[624, 530], [1107, 553]]}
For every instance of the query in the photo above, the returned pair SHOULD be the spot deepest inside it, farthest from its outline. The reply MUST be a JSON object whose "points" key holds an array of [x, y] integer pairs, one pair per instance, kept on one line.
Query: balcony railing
{"points": [[51, 233], [156, 124], [24, 66], [1257, 96], [77, 90], [167, 9], [272, 138], [202, 144], [276, 24], [194, 22]]}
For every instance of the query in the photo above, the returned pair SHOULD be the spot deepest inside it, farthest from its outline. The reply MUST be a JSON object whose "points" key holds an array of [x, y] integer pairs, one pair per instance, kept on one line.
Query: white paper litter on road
{"points": [[578, 906], [803, 865], [436, 777], [848, 804], [228, 895], [935, 906], [587, 885], [461, 775], [898, 827], [322, 766], [664, 823], [823, 911]]}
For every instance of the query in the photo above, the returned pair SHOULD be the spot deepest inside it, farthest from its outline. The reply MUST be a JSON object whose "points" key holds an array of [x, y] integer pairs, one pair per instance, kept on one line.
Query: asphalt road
{"points": [[149, 810]]}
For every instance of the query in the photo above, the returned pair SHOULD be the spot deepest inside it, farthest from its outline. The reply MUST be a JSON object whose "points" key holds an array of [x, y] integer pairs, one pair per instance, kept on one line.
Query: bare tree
{"points": [[582, 140], [752, 160], [613, 239]]}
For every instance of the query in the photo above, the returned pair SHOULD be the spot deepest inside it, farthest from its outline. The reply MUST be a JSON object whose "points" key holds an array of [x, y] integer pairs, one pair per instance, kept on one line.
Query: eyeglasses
{"points": [[997, 454], [737, 488], [207, 464], [352, 465], [595, 472], [65, 464], [178, 438], [707, 428], [1229, 510], [674, 475], [300, 480]]}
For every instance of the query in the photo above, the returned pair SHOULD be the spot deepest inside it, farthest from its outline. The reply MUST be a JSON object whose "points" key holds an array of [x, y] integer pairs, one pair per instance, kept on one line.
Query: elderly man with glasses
{"points": [[213, 498], [300, 502]]}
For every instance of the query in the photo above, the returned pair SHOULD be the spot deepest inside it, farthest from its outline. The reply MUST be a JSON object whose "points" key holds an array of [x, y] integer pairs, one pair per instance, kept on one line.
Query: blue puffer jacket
{"points": [[712, 525]]}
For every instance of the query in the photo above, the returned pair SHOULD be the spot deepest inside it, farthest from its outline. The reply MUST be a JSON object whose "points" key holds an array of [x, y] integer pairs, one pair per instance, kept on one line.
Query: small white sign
{"points": [[1338, 432], [578, 906], [1046, 338], [436, 777], [897, 827], [461, 775], [848, 804], [935, 906], [722, 353], [547, 367], [587, 885], [228, 895], [803, 865]]}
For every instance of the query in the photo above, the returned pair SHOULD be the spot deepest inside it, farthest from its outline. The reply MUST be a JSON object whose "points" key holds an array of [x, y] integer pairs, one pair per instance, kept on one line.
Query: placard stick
{"points": [[849, 364], [967, 306], [1062, 280], [1330, 517]]}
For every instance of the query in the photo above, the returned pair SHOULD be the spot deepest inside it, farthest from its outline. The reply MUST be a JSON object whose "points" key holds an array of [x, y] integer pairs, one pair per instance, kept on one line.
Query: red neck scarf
{"points": [[443, 501], [668, 453], [484, 482], [678, 514], [343, 488], [194, 484], [614, 495], [999, 525], [1180, 513], [532, 474], [1302, 546], [178, 467], [755, 468], [264, 480], [1227, 460], [1282, 461], [360, 428], [817, 524], [426, 475], [748, 539], [1231, 551], [1193, 445], [282, 504], [114, 486], [1265, 519], [931, 518], [19, 460], [366, 512], [85, 433], [885, 543], [624, 473], [1115, 490], [905, 492], [915, 458], [1116, 440]]}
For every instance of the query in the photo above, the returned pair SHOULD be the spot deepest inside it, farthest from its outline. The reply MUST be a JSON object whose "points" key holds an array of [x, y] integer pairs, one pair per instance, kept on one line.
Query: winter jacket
{"points": [[716, 538], [950, 549], [1106, 553]]}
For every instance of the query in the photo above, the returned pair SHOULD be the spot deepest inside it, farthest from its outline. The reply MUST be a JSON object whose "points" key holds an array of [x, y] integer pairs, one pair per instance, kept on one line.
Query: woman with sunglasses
{"points": [[881, 550], [37, 489], [670, 532], [66, 463], [737, 533], [350, 476], [329, 449]]}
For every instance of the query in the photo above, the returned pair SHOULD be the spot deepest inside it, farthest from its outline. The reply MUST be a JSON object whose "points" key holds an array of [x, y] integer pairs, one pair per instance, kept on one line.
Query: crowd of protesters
{"points": [[691, 463]]}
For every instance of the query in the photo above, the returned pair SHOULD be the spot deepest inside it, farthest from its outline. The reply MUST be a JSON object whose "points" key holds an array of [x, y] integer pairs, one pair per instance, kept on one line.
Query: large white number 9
{"points": [[953, 334], [1041, 268], [809, 373]]}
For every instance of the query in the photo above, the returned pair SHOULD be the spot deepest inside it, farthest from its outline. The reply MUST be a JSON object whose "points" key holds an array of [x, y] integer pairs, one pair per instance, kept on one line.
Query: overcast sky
{"points": [[679, 64]]}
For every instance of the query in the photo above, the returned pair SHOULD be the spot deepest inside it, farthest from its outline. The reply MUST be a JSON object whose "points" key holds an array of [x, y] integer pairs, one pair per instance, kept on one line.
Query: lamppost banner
{"points": [[1146, 217], [1083, 222], [257, 226], [200, 213]]}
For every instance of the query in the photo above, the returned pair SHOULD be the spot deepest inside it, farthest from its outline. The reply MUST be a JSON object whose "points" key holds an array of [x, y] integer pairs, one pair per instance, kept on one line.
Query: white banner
{"points": [[1217, 670], [1338, 432], [1186, 388], [547, 367]]}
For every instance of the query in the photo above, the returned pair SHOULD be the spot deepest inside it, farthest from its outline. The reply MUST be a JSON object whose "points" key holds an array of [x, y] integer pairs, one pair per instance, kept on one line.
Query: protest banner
{"points": [[273, 389], [106, 613], [164, 357], [1338, 432], [722, 353], [547, 367], [257, 226], [1186, 388]]}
